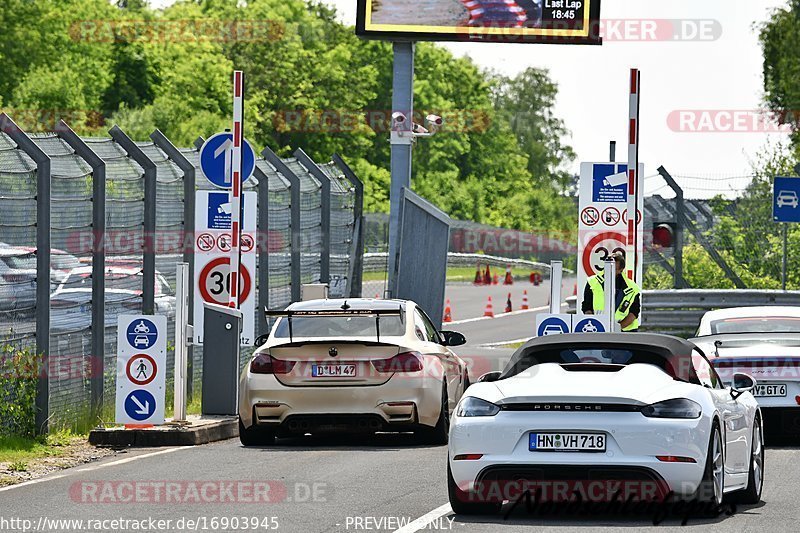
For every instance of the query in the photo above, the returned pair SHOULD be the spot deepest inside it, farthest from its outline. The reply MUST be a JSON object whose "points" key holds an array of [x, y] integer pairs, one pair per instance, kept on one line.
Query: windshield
{"points": [[21, 261], [675, 366], [340, 326], [765, 324]]}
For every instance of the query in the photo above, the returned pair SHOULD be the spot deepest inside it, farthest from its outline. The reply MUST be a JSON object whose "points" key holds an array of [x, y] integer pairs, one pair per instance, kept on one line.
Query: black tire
{"points": [[755, 479], [255, 436], [461, 501], [711, 487], [440, 433]]}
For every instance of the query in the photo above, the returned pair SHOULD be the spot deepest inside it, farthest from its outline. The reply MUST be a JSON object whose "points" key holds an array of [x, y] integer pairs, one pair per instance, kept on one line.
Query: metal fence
{"points": [[91, 228]]}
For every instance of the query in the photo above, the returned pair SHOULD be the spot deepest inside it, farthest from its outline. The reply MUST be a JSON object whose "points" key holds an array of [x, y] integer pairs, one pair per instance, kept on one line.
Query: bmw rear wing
{"points": [[344, 311]]}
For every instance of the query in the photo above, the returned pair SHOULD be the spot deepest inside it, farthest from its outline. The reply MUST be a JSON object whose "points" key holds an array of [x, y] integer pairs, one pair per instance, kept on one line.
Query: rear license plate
{"points": [[766, 391], [333, 371], [567, 442]]}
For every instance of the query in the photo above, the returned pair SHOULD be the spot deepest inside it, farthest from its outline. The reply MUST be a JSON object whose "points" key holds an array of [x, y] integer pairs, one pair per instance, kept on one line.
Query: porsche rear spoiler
{"points": [[344, 311]]}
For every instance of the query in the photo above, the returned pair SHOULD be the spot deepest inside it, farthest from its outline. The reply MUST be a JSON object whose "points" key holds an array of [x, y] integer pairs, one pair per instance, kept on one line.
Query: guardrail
{"points": [[376, 262], [679, 311]]}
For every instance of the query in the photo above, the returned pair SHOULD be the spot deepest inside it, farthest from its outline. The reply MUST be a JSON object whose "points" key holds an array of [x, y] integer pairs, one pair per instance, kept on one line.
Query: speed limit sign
{"points": [[212, 277], [599, 249]]}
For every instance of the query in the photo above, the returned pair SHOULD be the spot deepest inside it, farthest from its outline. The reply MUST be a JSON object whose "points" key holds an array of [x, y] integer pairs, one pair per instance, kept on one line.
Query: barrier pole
{"points": [[609, 289], [181, 340], [556, 273], [236, 185]]}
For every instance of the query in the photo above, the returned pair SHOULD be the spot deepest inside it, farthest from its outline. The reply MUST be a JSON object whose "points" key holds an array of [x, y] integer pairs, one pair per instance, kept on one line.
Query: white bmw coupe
{"points": [[605, 416]]}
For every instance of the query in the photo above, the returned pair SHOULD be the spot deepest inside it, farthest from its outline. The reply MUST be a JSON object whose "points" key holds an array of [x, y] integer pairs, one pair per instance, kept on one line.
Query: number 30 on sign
{"points": [[215, 282]]}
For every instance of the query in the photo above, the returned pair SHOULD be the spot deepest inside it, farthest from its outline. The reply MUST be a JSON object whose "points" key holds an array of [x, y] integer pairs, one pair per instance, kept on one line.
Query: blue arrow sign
{"points": [[216, 156], [786, 200], [553, 326], [589, 325], [141, 333], [140, 405]]}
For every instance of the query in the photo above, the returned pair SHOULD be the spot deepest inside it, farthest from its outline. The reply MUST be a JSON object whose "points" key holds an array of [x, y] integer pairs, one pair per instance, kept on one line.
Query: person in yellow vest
{"points": [[627, 298]]}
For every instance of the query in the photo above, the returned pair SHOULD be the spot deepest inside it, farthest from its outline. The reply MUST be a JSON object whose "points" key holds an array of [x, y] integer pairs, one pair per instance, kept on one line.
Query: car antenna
{"points": [[345, 307], [717, 344]]}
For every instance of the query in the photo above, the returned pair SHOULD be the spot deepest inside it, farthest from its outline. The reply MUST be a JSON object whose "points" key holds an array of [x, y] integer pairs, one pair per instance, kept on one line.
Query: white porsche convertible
{"points": [[629, 416]]}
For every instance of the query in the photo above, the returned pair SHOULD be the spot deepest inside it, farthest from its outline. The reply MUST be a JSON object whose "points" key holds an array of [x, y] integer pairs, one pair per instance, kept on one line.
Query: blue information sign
{"points": [[786, 200], [140, 405], [216, 156], [553, 326], [589, 325], [141, 333]]}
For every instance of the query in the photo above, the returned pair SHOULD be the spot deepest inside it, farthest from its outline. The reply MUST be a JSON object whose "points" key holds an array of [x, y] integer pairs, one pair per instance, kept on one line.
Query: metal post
{"points": [[294, 230], [612, 152], [556, 274], [325, 181], [785, 245], [402, 102], [150, 184], [262, 244], [43, 176], [680, 209], [357, 250], [175, 155], [634, 179], [236, 187], [181, 340], [98, 258], [609, 291]]}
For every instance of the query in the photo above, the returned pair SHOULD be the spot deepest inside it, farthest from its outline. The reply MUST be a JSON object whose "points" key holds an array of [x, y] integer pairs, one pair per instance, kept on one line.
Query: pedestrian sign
{"points": [[216, 158], [786, 200], [141, 369]]}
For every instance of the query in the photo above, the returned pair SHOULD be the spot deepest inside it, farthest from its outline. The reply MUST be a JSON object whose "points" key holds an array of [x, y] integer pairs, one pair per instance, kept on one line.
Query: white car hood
{"points": [[633, 384]]}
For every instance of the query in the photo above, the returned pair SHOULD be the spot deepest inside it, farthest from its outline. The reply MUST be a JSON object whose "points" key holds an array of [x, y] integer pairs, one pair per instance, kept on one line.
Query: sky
{"points": [[720, 75]]}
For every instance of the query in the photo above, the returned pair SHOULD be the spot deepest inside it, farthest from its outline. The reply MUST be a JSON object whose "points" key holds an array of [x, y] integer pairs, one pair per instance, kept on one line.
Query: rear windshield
{"points": [[766, 324], [340, 326], [676, 367]]}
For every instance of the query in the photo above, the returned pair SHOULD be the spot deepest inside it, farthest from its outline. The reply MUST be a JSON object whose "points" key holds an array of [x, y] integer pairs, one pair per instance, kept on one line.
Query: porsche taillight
{"points": [[266, 364], [402, 362]]}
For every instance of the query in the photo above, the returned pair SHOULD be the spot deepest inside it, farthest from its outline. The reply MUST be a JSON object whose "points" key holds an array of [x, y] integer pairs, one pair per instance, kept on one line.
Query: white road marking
{"points": [[501, 315], [503, 343], [91, 467], [424, 520]]}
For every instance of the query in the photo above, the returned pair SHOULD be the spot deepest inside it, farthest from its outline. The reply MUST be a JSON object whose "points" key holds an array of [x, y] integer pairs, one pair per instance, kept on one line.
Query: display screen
{"points": [[538, 21]]}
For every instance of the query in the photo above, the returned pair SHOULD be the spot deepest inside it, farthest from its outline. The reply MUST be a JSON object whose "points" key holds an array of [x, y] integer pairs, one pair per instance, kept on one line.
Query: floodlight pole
{"points": [[402, 102]]}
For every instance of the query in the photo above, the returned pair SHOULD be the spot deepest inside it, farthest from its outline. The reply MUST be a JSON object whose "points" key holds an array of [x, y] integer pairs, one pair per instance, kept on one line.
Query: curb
{"points": [[166, 435]]}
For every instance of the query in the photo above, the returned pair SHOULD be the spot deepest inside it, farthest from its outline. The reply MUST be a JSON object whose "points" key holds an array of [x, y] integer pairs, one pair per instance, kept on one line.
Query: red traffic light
{"points": [[663, 236]]}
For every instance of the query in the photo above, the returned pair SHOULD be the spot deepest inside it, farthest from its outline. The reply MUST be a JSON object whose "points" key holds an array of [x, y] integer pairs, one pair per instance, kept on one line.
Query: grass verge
{"points": [[19, 450]]}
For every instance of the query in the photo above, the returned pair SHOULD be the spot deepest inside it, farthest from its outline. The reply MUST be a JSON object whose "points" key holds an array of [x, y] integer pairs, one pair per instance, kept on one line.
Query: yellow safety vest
{"points": [[598, 301]]}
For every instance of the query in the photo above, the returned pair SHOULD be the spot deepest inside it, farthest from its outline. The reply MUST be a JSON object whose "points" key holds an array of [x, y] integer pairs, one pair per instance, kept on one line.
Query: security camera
{"points": [[417, 129], [434, 120], [398, 118]]}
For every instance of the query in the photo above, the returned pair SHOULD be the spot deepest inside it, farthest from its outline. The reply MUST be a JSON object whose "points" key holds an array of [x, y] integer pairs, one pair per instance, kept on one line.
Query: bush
{"points": [[19, 376]]}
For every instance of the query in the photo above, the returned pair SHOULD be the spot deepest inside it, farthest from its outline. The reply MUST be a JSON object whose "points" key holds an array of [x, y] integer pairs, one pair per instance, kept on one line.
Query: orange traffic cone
{"points": [[575, 290], [447, 315], [487, 276], [489, 309], [524, 300], [478, 276], [509, 280], [496, 279], [508, 304]]}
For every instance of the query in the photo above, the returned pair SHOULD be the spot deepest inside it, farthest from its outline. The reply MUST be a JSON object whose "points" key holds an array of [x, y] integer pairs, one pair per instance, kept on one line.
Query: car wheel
{"points": [[440, 432], [462, 501], [755, 479], [712, 485], [255, 436]]}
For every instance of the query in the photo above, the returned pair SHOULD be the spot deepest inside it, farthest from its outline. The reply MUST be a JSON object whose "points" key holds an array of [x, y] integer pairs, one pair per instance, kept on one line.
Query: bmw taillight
{"points": [[402, 362], [265, 364]]}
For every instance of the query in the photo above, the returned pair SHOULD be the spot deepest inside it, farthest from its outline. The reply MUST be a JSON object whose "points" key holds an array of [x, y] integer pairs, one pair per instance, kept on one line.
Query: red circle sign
{"points": [[590, 216], [602, 244], [224, 242], [214, 282], [246, 242], [611, 216], [141, 368], [638, 216], [205, 242]]}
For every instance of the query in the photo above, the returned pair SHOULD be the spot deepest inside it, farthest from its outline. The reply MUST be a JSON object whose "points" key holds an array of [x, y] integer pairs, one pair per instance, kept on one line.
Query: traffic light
{"points": [[664, 234]]}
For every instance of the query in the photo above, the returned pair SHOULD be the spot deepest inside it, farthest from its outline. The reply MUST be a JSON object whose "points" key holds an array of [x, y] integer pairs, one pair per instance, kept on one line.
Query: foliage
{"points": [[19, 375], [311, 83]]}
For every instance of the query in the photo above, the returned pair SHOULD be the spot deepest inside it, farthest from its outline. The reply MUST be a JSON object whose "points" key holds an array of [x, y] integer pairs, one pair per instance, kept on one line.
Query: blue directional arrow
{"points": [[140, 405]]}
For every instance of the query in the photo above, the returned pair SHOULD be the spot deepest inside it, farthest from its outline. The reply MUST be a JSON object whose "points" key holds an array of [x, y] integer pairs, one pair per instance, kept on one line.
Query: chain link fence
{"points": [[78, 384]]}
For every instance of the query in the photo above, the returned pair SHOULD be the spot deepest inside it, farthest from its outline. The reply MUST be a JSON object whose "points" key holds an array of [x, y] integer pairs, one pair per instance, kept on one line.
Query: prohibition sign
{"points": [[590, 216], [246, 242], [205, 242], [638, 216], [214, 281], [611, 216], [140, 368], [616, 240], [224, 242]]}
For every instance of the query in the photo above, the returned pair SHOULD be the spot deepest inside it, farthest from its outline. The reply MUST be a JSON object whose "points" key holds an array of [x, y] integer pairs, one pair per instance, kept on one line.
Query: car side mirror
{"points": [[742, 383], [452, 338], [262, 339], [489, 377]]}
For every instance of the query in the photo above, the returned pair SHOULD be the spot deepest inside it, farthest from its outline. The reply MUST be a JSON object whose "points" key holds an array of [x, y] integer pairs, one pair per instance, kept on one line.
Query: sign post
{"points": [[786, 209], [181, 340], [141, 369], [556, 273]]}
